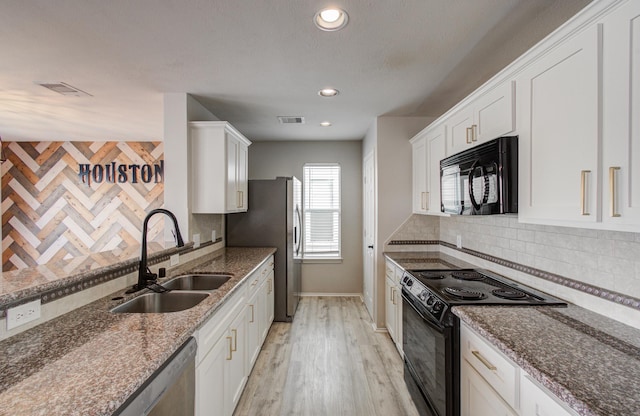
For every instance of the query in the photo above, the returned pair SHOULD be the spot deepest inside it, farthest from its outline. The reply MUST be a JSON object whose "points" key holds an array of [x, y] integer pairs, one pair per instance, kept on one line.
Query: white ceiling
{"points": [[251, 61]]}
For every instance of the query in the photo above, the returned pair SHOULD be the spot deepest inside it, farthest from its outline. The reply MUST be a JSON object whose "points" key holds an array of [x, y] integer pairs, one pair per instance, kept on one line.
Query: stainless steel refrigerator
{"points": [[274, 219]]}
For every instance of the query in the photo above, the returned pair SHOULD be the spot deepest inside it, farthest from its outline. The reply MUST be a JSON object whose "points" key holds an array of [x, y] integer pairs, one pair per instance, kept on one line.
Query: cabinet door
{"points": [[265, 313], [390, 307], [436, 151], [460, 130], [419, 159], [621, 123], [232, 173], [270, 301], [477, 398], [398, 304], [255, 322], [235, 373], [536, 402], [558, 101], [210, 383], [242, 176], [494, 113]]}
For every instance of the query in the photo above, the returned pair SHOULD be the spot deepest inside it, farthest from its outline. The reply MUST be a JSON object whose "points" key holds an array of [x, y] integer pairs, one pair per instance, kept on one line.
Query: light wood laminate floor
{"points": [[328, 362]]}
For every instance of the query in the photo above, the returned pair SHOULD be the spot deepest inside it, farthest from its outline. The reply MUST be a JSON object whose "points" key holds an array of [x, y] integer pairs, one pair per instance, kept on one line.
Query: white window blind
{"points": [[322, 210]]}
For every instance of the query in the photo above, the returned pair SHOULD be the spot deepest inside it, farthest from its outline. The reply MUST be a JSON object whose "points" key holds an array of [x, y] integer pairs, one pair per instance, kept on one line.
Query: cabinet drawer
{"points": [[492, 365], [390, 270], [209, 333], [256, 278]]}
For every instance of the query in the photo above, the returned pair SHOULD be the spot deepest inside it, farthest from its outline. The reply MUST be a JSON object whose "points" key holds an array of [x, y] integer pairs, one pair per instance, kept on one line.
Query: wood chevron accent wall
{"points": [[48, 214]]}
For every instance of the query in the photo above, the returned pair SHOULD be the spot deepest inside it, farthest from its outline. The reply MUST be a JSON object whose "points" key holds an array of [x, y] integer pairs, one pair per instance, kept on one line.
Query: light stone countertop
{"points": [[588, 360], [89, 361]]}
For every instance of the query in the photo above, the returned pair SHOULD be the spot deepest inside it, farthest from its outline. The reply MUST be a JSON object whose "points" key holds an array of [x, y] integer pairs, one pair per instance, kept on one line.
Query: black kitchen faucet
{"points": [[145, 277]]}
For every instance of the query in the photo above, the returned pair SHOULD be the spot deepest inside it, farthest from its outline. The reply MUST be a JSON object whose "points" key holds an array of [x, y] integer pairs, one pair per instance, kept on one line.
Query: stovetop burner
{"points": [[509, 293], [463, 293], [467, 275], [431, 275]]}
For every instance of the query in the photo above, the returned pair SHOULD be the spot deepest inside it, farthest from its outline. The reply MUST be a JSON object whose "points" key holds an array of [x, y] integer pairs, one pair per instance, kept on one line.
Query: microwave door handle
{"points": [[470, 185]]}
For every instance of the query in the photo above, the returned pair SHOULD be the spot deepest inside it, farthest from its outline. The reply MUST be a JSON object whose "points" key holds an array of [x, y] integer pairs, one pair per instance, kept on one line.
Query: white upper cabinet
{"points": [[419, 165], [428, 147], [219, 168], [579, 124], [488, 116], [558, 108], [436, 151], [621, 118]]}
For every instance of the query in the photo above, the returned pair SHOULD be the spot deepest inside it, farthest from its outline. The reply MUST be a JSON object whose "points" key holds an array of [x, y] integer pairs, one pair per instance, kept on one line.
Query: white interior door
{"points": [[368, 287]]}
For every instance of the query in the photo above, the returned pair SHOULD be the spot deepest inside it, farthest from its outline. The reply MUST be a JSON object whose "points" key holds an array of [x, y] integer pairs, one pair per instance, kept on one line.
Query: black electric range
{"points": [[431, 331]]}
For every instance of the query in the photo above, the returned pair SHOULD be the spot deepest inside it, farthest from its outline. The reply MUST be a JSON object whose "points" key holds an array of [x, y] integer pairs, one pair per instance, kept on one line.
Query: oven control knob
{"points": [[437, 307], [409, 282], [430, 300], [423, 295]]}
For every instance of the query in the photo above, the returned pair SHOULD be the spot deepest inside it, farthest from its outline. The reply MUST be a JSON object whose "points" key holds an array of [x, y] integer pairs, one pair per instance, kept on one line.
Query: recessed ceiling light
{"points": [[331, 19], [328, 92], [325, 123]]}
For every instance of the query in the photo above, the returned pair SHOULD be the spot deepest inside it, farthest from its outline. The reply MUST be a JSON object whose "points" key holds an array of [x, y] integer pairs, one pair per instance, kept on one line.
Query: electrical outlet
{"points": [[22, 314], [459, 241], [175, 259], [196, 240]]}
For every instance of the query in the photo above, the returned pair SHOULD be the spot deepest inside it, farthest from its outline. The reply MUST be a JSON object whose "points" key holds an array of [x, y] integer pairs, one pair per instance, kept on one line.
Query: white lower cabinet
{"points": [[230, 341], [220, 373], [493, 385], [268, 296], [393, 304], [535, 401], [478, 397]]}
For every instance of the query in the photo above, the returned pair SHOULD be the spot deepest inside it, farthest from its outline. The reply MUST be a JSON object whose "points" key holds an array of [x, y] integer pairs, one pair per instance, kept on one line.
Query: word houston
{"points": [[120, 173]]}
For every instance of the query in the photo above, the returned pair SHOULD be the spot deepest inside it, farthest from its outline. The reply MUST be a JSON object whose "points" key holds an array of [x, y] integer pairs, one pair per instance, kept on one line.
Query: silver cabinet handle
{"points": [[426, 203], [469, 134], [474, 133], [612, 191], [484, 360], [583, 192]]}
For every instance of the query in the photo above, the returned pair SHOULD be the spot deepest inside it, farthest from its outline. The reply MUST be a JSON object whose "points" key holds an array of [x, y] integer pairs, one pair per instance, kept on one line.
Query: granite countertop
{"points": [[589, 361], [414, 260], [89, 361]]}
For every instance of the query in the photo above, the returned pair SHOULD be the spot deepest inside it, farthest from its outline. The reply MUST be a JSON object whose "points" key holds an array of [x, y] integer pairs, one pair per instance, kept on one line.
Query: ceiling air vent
{"points": [[291, 119], [64, 89]]}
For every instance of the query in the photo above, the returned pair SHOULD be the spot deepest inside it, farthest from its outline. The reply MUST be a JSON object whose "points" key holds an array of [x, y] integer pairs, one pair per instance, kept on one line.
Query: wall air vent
{"points": [[291, 119], [64, 89]]}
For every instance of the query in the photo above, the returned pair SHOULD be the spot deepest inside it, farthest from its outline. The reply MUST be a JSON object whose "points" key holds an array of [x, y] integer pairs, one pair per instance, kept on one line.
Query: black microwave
{"points": [[482, 180]]}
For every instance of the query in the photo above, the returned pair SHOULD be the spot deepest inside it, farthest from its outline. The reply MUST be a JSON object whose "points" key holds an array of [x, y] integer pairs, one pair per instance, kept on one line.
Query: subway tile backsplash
{"points": [[606, 259]]}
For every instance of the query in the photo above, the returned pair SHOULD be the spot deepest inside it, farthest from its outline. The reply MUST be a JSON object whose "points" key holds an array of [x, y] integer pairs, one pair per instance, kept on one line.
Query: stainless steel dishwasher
{"points": [[170, 391]]}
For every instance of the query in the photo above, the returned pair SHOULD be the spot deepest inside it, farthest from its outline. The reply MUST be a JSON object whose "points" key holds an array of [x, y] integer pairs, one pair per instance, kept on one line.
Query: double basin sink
{"points": [[184, 292]]}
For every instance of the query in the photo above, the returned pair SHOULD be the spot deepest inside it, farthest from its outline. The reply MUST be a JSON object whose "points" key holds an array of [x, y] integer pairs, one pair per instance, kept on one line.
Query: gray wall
{"points": [[270, 159], [388, 138]]}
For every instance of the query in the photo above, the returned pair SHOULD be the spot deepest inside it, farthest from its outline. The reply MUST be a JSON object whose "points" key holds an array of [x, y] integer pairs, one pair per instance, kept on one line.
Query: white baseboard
{"points": [[377, 328], [343, 295]]}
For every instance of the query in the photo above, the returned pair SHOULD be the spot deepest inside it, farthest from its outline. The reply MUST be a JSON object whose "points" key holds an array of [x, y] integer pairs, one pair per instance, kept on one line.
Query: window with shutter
{"points": [[322, 210]]}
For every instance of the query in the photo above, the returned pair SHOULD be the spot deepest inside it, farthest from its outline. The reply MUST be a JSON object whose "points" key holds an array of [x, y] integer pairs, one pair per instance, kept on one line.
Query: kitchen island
{"points": [[89, 361]]}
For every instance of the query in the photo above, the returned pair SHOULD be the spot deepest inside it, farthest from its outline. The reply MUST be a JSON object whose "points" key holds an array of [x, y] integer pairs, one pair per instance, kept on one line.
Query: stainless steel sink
{"points": [[161, 302], [197, 282]]}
